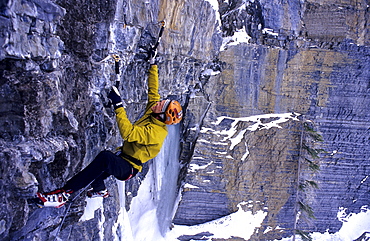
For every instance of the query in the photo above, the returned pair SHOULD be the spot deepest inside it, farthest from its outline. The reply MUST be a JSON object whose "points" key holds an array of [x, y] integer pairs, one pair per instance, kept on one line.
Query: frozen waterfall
{"points": [[151, 211]]}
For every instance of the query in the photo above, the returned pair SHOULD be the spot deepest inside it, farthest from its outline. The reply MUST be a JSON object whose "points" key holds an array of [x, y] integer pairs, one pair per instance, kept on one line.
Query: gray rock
{"points": [[300, 57]]}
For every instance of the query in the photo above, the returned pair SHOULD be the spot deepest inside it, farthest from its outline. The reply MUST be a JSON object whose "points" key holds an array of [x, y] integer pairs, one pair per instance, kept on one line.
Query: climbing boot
{"points": [[56, 198], [93, 194]]}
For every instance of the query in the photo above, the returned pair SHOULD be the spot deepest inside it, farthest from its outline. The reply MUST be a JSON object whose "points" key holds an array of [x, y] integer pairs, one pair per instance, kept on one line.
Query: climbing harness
{"points": [[130, 158]]}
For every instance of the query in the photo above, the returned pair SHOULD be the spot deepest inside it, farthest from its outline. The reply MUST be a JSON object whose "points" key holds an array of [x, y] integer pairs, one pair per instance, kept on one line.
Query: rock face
{"points": [[294, 62], [306, 60]]}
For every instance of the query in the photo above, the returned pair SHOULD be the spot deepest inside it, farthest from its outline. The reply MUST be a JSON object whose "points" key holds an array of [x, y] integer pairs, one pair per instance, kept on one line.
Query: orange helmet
{"points": [[173, 112]]}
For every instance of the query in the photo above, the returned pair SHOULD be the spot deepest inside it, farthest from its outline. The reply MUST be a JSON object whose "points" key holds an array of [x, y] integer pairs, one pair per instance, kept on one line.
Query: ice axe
{"points": [[116, 68], [153, 49]]}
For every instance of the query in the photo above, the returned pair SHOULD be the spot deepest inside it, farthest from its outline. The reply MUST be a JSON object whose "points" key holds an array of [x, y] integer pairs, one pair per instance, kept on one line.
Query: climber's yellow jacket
{"points": [[143, 139]]}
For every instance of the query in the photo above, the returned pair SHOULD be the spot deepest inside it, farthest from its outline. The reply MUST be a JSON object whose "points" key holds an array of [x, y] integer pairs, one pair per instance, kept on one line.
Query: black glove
{"points": [[152, 55], [115, 98]]}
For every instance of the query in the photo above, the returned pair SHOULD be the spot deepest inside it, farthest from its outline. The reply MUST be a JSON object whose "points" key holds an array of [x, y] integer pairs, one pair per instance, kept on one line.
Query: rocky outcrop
{"points": [[54, 80], [302, 59], [50, 117], [247, 73]]}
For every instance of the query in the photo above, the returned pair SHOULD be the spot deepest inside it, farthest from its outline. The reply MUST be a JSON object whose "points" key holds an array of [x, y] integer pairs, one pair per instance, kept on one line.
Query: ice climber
{"points": [[142, 142]]}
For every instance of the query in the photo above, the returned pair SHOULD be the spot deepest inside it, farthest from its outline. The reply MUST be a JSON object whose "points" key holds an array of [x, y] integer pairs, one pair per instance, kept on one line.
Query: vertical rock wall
{"points": [[52, 123], [305, 57], [309, 58], [54, 80]]}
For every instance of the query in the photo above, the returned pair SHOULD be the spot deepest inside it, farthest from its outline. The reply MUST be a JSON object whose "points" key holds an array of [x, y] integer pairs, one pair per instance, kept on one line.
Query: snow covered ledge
{"points": [[354, 226]]}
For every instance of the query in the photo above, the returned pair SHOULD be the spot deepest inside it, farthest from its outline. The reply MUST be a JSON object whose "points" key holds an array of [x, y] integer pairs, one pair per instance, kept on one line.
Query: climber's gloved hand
{"points": [[115, 97], [152, 55]]}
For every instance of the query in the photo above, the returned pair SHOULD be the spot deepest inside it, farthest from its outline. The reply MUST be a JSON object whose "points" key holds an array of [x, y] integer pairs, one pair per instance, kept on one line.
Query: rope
{"points": [[69, 207]]}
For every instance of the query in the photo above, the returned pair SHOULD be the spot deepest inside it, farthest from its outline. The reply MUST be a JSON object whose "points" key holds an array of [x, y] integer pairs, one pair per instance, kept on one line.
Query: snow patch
{"points": [[204, 141], [205, 130], [259, 122], [354, 225], [268, 229], [246, 154], [210, 72], [195, 167], [215, 6], [269, 32], [239, 224], [236, 140], [240, 36], [187, 185], [92, 204]]}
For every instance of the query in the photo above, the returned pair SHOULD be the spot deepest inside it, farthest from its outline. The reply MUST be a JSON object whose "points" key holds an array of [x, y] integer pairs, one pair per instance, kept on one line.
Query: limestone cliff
{"points": [[308, 58], [228, 65]]}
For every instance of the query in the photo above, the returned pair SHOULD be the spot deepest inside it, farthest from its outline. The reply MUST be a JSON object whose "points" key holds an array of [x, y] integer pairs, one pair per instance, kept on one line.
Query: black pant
{"points": [[105, 164]]}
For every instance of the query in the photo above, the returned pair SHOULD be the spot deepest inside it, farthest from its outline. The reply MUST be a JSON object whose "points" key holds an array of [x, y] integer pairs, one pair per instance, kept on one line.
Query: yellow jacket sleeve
{"points": [[153, 95], [124, 124], [142, 132]]}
